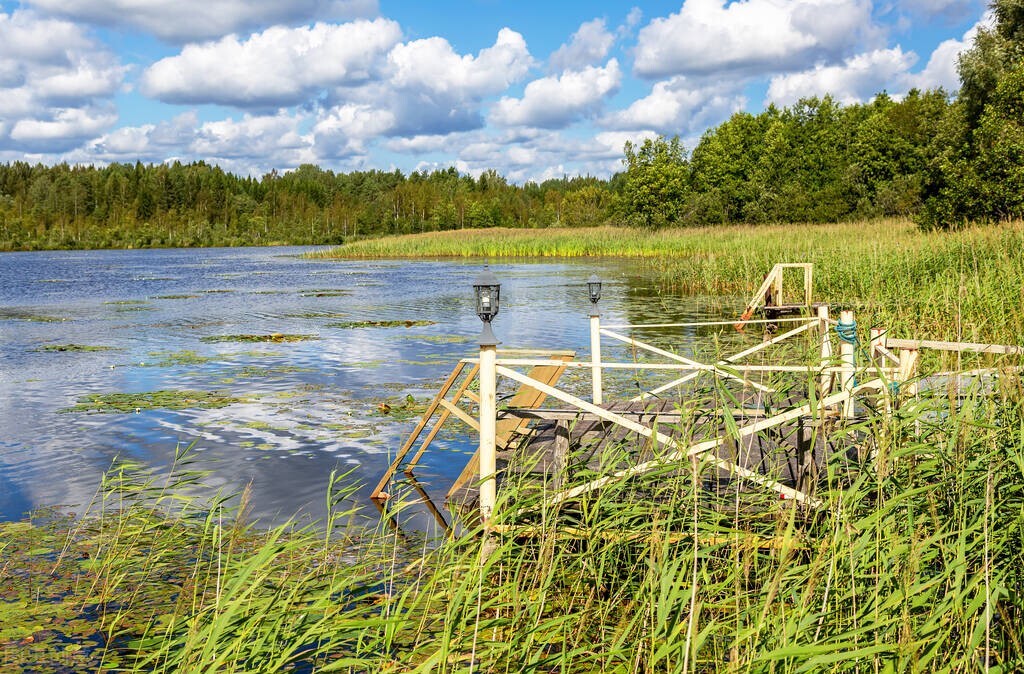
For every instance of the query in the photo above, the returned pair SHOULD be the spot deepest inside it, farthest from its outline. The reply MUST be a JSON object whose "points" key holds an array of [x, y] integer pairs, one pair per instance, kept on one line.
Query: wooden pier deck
{"points": [[561, 443]]}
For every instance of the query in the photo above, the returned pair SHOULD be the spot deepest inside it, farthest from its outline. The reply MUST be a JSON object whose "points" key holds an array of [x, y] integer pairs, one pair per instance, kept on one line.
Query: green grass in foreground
{"points": [[966, 285], [915, 565]]}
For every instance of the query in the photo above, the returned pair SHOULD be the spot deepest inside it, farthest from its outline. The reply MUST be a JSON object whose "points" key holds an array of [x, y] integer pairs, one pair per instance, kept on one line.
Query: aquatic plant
{"points": [[274, 337], [408, 323], [75, 348], [111, 403]]}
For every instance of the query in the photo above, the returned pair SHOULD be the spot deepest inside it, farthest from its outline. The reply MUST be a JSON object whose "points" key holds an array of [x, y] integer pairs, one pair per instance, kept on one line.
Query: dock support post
{"points": [[488, 423], [847, 329], [826, 350], [595, 356], [907, 371], [877, 341]]}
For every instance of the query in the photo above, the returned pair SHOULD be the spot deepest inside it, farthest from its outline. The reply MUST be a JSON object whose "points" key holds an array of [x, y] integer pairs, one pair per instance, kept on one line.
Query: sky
{"points": [[533, 90]]}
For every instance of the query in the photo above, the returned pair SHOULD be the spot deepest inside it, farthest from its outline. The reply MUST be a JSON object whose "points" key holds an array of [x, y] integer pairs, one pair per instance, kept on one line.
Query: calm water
{"points": [[311, 407]]}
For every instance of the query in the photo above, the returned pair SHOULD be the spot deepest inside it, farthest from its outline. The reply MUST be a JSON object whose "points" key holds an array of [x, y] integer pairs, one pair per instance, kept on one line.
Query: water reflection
{"points": [[309, 407]]}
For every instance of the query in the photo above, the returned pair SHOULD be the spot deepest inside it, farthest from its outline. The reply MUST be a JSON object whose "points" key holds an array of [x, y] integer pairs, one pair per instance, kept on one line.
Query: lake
{"points": [[304, 408]]}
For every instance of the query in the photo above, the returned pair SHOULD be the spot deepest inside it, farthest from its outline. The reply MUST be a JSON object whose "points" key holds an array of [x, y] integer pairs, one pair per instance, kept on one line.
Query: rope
{"points": [[847, 331]]}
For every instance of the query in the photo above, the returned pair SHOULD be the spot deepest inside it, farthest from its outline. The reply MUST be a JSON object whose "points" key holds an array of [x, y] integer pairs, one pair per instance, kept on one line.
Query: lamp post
{"points": [[594, 291], [488, 293]]}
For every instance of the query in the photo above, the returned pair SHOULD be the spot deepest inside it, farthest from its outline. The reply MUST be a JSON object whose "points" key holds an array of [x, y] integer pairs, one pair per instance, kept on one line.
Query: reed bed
{"points": [[966, 285], [915, 564]]}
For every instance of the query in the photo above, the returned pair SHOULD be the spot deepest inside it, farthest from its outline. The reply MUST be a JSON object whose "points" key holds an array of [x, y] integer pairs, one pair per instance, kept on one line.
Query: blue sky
{"points": [[530, 89]]}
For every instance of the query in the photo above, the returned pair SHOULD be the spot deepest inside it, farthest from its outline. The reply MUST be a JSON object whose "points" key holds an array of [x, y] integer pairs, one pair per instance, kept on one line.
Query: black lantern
{"points": [[488, 293], [594, 288]]}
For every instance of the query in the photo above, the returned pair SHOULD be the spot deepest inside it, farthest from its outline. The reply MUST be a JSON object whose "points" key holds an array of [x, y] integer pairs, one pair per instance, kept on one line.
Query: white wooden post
{"points": [[907, 371], [877, 340], [848, 356], [595, 356], [826, 349], [488, 422]]}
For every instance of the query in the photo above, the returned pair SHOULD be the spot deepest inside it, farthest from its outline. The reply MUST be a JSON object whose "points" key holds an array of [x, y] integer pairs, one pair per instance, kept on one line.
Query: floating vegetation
{"points": [[253, 372], [402, 408], [441, 339], [317, 314], [53, 280], [175, 358], [327, 292], [274, 337], [218, 290], [28, 315], [381, 324], [112, 403], [125, 302], [175, 297], [74, 347]]}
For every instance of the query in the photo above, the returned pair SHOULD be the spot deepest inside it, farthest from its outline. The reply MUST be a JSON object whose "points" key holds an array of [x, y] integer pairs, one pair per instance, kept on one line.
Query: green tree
{"points": [[656, 185]]}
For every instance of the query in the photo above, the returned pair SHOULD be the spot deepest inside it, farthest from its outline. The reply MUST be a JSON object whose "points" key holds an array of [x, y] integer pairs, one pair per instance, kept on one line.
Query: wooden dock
{"points": [[560, 444], [781, 424]]}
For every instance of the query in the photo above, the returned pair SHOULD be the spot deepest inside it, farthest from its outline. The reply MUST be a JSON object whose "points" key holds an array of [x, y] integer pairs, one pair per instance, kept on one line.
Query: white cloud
{"points": [[554, 102], [56, 84], [62, 126], [250, 137], [433, 90], [191, 20], [280, 66], [587, 46], [750, 37], [432, 65], [941, 70], [858, 79], [251, 145], [344, 131], [677, 106]]}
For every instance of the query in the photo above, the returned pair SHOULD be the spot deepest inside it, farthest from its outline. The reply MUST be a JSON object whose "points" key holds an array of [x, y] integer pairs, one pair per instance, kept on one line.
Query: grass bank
{"points": [[966, 285]]}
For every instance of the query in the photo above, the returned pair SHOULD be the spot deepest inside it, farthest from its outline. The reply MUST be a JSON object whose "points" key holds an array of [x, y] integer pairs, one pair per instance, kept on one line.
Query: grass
{"points": [[917, 566]]}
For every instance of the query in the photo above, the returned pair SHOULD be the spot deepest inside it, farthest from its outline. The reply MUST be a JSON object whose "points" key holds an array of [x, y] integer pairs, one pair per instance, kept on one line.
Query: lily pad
{"points": [[327, 292], [28, 315], [175, 358], [272, 337], [381, 324], [113, 403], [74, 347]]}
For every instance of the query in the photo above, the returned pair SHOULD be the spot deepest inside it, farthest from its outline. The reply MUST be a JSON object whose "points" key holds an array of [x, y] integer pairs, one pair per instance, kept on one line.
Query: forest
{"points": [[942, 160]]}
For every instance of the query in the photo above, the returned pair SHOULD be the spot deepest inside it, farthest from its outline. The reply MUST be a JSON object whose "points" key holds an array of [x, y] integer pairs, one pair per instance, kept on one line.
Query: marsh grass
{"points": [[963, 285], [915, 564]]}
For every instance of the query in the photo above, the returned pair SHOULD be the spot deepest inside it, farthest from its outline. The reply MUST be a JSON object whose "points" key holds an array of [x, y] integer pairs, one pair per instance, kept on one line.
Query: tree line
{"points": [[941, 160]]}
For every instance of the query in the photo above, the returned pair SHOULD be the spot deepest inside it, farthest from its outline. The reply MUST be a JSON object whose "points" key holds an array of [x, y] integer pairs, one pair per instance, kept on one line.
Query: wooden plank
{"points": [[952, 346], [699, 324], [812, 322], [682, 359], [551, 371], [464, 417], [705, 446], [561, 455], [462, 390], [378, 491], [682, 453], [744, 540]]}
